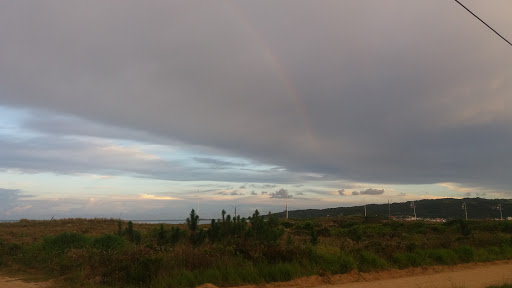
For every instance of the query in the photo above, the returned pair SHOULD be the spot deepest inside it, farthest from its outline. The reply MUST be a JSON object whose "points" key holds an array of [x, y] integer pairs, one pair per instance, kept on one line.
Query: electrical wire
{"points": [[483, 22]]}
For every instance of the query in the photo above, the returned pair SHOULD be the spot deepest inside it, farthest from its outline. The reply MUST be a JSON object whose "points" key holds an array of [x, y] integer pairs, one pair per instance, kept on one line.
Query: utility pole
{"points": [[364, 210], [465, 207]]}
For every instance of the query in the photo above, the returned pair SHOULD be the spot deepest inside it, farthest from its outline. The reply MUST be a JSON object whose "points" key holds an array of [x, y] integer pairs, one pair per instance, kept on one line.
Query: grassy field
{"points": [[111, 253]]}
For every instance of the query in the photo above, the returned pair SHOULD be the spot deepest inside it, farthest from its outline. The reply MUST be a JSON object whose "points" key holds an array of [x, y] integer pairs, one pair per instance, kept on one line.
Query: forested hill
{"points": [[449, 208]]}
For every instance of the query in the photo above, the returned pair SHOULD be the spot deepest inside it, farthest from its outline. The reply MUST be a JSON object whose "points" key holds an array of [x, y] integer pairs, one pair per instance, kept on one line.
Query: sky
{"points": [[148, 109]]}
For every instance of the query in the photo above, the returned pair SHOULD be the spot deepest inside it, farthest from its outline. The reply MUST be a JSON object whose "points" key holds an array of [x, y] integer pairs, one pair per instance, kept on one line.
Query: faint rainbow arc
{"points": [[278, 69]]}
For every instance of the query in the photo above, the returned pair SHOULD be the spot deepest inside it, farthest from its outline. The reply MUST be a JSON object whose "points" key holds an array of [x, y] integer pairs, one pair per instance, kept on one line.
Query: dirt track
{"points": [[473, 275], [471, 278], [6, 282]]}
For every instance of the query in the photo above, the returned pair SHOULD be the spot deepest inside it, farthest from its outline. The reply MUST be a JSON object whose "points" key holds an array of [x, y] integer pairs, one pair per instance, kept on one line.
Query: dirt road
{"points": [[6, 282], [473, 275], [478, 277]]}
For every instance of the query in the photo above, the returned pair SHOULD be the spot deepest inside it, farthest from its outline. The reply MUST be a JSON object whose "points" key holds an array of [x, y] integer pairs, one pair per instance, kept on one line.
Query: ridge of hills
{"points": [[446, 208]]}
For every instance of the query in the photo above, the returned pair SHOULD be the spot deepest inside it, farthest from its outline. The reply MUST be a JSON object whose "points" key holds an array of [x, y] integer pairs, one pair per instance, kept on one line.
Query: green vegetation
{"points": [[448, 208], [235, 250]]}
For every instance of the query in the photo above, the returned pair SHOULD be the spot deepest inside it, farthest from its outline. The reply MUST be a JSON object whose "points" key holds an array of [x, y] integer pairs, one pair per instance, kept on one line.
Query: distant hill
{"points": [[448, 208]]}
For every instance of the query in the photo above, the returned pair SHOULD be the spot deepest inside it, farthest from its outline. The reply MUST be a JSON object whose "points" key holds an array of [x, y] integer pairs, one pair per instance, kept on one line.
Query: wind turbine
{"points": [[414, 209], [465, 207], [500, 208], [286, 206], [389, 210]]}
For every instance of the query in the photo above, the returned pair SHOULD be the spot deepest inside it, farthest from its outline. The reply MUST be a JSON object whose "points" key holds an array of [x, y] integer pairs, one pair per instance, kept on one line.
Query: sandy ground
{"points": [[473, 275], [6, 282]]}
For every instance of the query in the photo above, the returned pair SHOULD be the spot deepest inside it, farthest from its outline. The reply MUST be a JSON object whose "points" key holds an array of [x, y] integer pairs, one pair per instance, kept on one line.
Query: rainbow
{"points": [[276, 66]]}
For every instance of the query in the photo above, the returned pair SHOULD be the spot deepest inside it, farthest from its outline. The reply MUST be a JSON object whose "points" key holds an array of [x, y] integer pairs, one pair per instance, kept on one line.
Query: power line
{"points": [[484, 22]]}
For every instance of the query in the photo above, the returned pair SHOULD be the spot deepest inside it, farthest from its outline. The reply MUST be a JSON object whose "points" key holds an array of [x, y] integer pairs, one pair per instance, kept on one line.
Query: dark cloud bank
{"points": [[366, 91]]}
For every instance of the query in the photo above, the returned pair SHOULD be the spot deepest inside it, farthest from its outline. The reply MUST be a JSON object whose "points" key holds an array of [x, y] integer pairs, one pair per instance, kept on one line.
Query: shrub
{"points": [[138, 266], [314, 237], [64, 242], [331, 260], [132, 234], [465, 253], [355, 233], [13, 249], [369, 261], [404, 260], [442, 256], [108, 242]]}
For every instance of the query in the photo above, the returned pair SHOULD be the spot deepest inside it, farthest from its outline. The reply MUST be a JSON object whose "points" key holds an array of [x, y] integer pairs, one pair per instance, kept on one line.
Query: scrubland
{"points": [[235, 251]]}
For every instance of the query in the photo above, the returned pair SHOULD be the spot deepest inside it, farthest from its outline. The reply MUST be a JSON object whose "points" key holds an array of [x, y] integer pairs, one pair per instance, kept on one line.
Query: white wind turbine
{"points": [[465, 207]]}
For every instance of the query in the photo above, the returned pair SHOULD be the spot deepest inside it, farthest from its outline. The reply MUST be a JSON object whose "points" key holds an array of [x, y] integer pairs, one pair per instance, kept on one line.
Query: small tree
{"points": [[193, 221], [132, 234]]}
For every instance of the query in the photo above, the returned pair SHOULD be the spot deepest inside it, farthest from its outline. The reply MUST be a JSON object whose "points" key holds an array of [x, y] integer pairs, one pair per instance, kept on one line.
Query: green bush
{"points": [[64, 241], [108, 242], [442, 256], [332, 260], [131, 234], [405, 260], [465, 253], [369, 261], [355, 234]]}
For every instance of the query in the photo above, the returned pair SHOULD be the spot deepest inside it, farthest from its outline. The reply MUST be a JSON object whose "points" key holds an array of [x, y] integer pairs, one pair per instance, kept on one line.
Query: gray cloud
{"points": [[371, 191], [341, 192], [428, 92], [281, 193], [9, 197], [64, 155], [232, 193], [253, 193], [216, 162], [12, 202]]}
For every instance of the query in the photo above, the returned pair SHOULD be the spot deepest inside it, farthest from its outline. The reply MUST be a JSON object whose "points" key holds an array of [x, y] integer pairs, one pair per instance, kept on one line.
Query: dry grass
{"points": [[31, 231]]}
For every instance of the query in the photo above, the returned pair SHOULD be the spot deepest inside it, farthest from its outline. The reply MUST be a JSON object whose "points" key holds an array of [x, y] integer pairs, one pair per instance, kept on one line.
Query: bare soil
{"points": [[6, 282], [472, 275]]}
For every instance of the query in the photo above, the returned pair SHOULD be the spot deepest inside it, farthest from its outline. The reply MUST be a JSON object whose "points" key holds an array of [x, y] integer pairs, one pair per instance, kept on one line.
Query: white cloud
{"points": [[156, 197]]}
